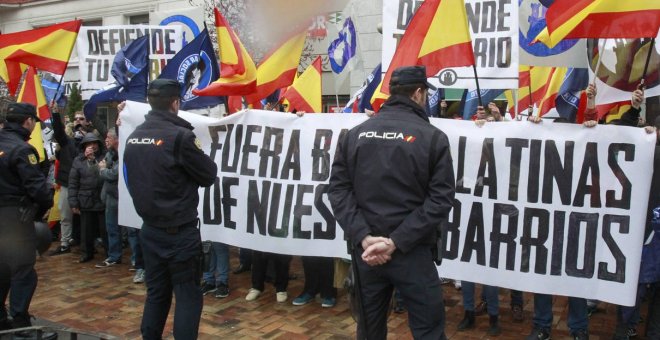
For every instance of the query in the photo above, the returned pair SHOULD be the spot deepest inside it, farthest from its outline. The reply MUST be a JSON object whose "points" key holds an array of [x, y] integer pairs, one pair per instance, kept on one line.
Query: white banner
{"points": [[97, 47], [494, 31], [568, 53], [542, 208]]}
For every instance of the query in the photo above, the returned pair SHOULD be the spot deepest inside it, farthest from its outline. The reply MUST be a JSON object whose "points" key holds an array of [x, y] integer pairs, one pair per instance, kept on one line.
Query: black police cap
{"points": [[407, 75], [22, 109], [164, 88]]}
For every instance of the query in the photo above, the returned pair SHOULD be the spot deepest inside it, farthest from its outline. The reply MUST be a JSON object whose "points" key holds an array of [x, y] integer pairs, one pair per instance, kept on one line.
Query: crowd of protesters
{"points": [[85, 167]]}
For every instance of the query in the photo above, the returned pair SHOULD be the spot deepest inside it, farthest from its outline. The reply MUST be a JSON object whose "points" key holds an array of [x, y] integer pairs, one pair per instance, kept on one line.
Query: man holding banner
{"points": [[392, 184]]}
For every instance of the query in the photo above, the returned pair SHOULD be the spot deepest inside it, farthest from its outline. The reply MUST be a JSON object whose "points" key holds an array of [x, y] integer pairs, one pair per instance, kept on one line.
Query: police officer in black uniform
{"points": [[24, 197], [392, 184], [165, 166]]}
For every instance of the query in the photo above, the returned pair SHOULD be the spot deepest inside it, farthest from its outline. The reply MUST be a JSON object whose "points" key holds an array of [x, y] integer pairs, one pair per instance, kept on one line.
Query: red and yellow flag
{"points": [[571, 19], [538, 78], [378, 98], [549, 98], [305, 92], [47, 48], [613, 111], [437, 37], [32, 93], [238, 74], [278, 68]]}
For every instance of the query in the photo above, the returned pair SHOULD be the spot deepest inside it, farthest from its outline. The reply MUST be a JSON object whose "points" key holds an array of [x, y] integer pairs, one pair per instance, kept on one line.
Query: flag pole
{"points": [[476, 79], [531, 99], [646, 65], [600, 60]]}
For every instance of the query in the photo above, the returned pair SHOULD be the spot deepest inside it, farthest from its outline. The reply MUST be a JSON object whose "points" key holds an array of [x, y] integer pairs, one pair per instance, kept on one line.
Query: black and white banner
{"points": [[97, 47], [494, 31], [549, 208]]}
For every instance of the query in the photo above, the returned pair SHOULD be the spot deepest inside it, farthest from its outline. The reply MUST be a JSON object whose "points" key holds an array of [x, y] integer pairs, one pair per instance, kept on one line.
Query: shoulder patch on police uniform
{"points": [[33, 159], [198, 144]]}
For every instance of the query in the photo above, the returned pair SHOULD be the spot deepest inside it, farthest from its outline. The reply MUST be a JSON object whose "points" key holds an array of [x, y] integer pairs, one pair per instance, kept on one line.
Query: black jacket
{"points": [[21, 179], [85, 182], [67, 152], [393, 176], [164, 168]]}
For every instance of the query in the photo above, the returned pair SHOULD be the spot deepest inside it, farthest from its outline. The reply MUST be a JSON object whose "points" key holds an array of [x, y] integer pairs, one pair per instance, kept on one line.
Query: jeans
{"points": [[136, 248], [489, 292], [219, 269], [577, 313], [114, 233]]}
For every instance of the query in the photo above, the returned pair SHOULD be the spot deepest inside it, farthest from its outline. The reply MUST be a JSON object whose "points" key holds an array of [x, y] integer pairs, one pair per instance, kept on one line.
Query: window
{"points": [[139, 19], [93, 22]]}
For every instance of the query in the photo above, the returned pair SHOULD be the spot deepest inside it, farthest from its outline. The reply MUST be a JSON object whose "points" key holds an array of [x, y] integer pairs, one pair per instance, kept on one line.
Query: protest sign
{"points": [[548, 208], [97, 47], [494, 31]]}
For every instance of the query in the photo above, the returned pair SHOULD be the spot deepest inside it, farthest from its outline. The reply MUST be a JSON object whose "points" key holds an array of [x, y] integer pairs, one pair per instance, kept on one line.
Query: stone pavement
{"points": [[105, 300]]}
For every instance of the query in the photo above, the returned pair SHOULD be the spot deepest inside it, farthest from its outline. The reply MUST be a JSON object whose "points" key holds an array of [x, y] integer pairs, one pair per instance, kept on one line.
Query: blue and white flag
{"points": [[373, 80], [51, 84], [136, 79], [130, 60], [472, 101], [194, 67], [342, 52], [433, 103], [568, 97]]}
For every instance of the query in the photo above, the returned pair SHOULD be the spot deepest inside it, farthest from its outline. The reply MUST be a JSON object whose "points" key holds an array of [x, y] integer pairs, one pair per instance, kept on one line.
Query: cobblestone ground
{"points": [[106, 300]]}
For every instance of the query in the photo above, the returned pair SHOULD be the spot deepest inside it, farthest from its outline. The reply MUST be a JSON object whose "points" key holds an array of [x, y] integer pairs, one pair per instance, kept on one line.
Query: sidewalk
{"points": [[105, 300]]}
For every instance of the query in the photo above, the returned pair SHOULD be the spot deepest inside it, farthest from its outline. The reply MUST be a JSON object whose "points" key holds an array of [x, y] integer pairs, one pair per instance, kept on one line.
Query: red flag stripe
{"points": [[297, 101], [25, 37]]}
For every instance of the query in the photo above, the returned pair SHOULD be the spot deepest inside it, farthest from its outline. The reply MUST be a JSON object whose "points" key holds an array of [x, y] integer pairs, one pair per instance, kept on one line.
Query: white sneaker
{"points": [[253, 294], [281, 296], [139, 276]]}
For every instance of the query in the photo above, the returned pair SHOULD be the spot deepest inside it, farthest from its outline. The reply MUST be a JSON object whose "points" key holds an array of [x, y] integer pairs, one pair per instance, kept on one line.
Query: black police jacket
{"points": [[164, 168], [21, 178], [393, 176]]}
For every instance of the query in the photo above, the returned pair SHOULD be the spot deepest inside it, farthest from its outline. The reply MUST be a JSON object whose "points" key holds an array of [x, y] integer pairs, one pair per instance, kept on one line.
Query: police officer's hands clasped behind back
{"points": [[164, 167], [25, 196], [392, 185]]}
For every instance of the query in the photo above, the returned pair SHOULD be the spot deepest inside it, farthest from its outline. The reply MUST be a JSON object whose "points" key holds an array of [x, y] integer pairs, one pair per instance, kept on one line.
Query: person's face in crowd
{"points": [[112, 142], [30, 124], [91, 149], [80, 119]]}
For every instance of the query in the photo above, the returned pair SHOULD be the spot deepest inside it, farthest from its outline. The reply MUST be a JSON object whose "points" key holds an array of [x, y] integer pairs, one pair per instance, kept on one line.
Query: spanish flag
{"points": [[47, 48], [571, 19], [32, 93], [552, 87], [378, 97], [613, 111], [305, 92], [238, 74], [278, 68], [536, 78], [437, 37]]}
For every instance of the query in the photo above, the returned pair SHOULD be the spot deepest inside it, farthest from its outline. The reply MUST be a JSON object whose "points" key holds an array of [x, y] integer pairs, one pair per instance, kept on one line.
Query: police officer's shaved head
{"points": [[162, 92]]}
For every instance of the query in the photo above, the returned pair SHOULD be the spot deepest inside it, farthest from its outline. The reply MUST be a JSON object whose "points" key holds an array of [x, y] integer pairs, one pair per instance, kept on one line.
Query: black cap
{"points": [[407, 75], [22, 109], [164, 88]]}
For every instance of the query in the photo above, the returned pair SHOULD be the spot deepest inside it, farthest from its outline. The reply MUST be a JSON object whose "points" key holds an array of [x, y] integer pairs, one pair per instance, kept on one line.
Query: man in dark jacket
{"points": [[109, 172], [392, 184], [24, 197], [85, 186], [65, 154], [165, 166]]}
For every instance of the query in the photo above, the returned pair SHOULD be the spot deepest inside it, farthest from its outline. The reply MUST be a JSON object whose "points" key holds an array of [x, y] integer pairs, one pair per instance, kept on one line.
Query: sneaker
{"points": [[60, 250], [281, 296], [303, 299], [517, 313], [444, 281], [208, 288], [253, 294], [107, 263], [632, 332], [328, 302], [139, 276], [580, 335], [457, 284], [539, 334], [222, 291]]}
